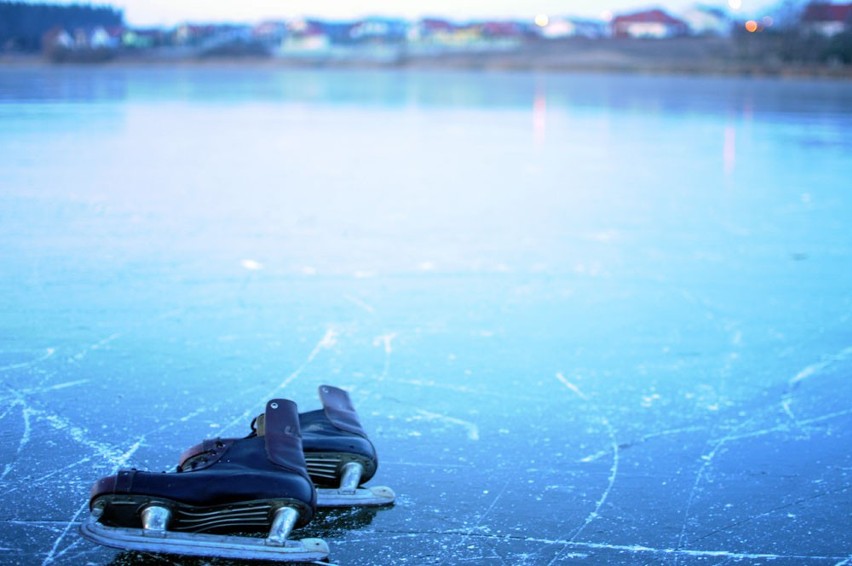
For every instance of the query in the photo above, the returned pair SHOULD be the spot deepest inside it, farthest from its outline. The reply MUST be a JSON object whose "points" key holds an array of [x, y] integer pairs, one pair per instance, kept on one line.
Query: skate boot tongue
{"points": [[283, 437]]}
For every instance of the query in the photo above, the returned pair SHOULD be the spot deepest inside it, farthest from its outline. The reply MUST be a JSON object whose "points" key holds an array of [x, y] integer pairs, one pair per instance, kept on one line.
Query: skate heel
{"points": [[338, 454], [350, 493], [351, 477], [282, 525], [155, 519]]}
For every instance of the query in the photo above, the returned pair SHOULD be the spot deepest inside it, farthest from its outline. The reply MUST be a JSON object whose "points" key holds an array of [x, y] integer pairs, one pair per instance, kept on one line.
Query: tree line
{"points": [[22, 24]]}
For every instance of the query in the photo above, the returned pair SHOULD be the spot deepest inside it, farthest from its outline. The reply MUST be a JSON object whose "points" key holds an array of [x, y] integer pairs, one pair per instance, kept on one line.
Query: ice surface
{"points": [[588, 319]]}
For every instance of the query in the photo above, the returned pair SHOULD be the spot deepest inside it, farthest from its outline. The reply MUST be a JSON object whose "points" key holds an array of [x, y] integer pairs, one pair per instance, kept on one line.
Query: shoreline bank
{"points": [[689, 57]]}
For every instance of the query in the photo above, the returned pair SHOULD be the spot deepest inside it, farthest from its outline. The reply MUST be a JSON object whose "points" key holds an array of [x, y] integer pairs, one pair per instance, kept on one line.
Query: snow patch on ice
{"points": [[328, 341], [251, 265], [386, 341]]}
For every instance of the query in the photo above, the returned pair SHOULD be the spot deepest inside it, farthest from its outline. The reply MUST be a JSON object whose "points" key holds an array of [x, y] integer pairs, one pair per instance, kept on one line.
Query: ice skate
{"points": [[258, 483], [339, 456]]}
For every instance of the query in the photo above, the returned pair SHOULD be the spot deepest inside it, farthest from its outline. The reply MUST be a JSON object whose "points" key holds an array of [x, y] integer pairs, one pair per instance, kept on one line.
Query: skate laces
{"points": [[200, 454]]}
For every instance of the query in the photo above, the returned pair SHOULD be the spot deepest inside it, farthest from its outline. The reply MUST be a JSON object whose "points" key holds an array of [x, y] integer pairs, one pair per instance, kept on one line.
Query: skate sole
{"points": [[204, 545], [328, 468], [377, 496], [125, 511], [277, 516]]}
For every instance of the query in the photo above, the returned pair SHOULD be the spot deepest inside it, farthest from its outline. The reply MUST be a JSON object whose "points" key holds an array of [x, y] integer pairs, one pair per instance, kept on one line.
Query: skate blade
{"points": [[206, 545], [377, 496]]}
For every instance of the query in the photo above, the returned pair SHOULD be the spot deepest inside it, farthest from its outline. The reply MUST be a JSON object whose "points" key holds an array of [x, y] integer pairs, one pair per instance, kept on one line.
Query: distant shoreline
{"points": [[688, 57]]}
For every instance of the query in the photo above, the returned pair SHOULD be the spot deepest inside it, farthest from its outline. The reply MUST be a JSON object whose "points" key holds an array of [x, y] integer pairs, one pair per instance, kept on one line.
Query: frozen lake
{"points": [[585, 318]]}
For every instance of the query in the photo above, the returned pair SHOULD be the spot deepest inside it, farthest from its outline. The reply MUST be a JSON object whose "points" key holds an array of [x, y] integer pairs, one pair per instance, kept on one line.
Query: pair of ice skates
{"points": [[270, 481]]}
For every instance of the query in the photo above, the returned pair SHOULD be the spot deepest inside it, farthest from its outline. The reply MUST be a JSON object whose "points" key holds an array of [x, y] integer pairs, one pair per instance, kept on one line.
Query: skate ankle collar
{"points": [[339, 410]]}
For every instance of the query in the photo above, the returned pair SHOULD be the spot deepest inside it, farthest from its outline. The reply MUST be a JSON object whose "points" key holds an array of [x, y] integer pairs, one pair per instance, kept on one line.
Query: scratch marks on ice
{"points": [[471, 428], [815, 369], [583, 549], [807, 373], [615, 457], [328, 341], [742, 430], [21, 365], [386, 342]]}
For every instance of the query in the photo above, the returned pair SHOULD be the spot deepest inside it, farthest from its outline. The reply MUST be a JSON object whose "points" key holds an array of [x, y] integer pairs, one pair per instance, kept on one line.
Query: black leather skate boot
{"points": [[338, 453], [222, 485]]}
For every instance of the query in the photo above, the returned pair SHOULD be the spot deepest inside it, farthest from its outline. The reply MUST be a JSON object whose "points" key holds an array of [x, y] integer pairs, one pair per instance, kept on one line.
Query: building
{"points": [[381, 30], [655, 24], [558, 27], [707, 21], [827, 19]]}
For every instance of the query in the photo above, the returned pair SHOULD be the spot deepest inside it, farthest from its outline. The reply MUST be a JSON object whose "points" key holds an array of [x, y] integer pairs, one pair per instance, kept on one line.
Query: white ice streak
{"points": [[707, 461], [571, 386], [628, 549], [806, 373], [360, 303], [52, 554], [472, 429], [639, 549], [385, 341], [596, 456], [26, 414], [784, 428], [329, 340], [613, 473], [734, 435], [467, 390], [57, 387], [48, 353], [118, 460], [601, 453], [32, 481], [816, 368], [475, 526], [96, 346]]}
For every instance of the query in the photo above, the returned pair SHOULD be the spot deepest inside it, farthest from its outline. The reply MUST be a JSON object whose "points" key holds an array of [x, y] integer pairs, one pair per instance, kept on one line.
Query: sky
{"points": [[170, 12]]}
